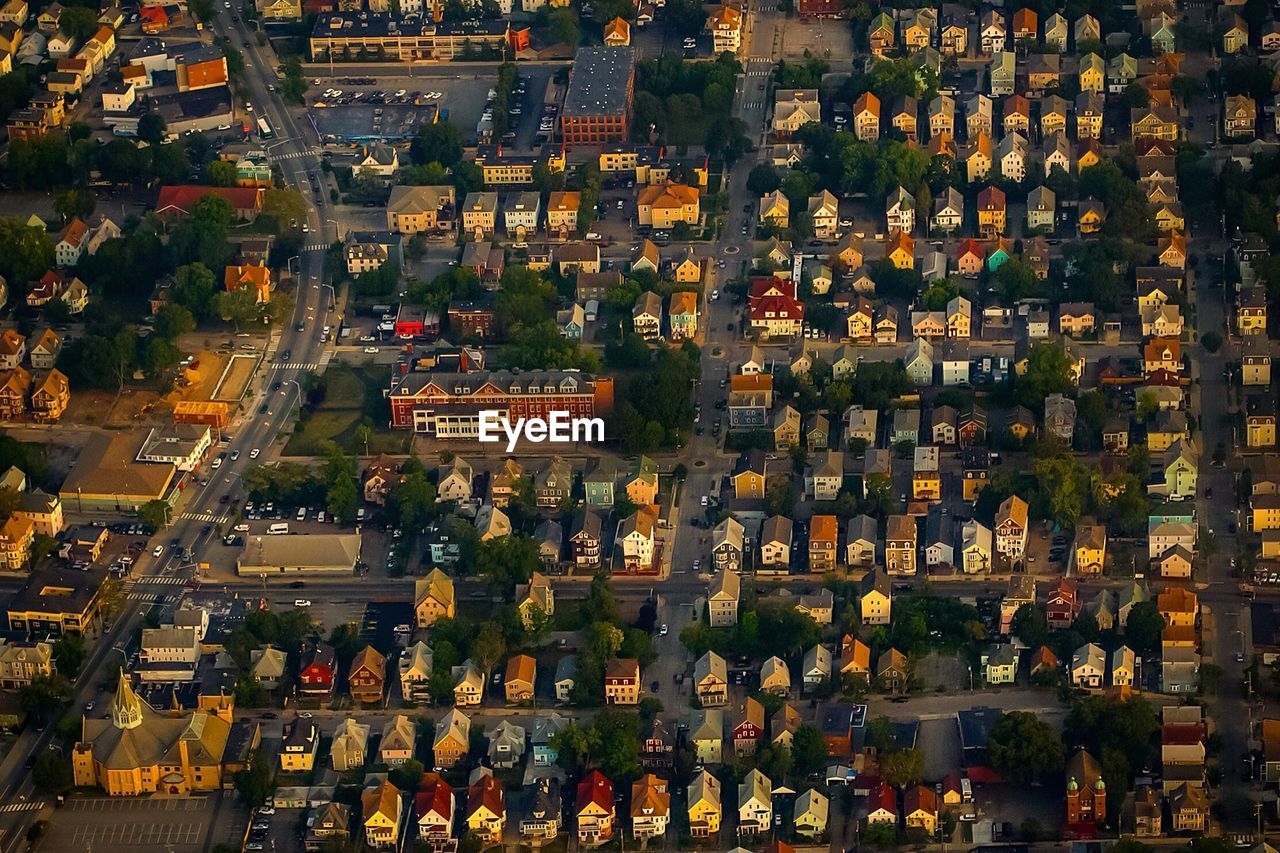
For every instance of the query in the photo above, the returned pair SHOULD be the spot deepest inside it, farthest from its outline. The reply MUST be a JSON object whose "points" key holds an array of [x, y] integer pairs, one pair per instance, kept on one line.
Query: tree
{"points": [[52, 774], [808, 749], [1048, 372], [44, 695], [253, 784], [440, 142], [507, 561], [903, 767], [239, 307], [763, 179], [881, 835], [563, 24], [1144, 627], [1024, 748], [110, 599], [195, 288], [69, 653], [1030, 626], [154, 515], [173, 320], [1211, 341], [939, 294], [488, 648], [26, 251], [77, 201], [407, 776], [220, 173]]}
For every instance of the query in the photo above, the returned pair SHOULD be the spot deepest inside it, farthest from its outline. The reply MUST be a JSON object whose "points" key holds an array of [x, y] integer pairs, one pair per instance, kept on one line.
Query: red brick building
{"points": [[598, 104], [448, 405]]}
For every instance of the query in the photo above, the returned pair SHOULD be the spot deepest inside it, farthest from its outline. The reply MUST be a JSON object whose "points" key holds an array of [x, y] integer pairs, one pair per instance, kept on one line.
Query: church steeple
{"points": [[126, 708]]}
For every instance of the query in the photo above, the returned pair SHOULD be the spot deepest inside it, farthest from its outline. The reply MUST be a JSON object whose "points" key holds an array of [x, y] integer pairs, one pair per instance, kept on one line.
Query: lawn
{"points": [[352, 394]]}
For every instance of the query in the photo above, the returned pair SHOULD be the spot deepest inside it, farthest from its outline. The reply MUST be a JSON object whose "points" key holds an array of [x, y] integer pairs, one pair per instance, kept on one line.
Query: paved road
{"points": [[293, 146]]}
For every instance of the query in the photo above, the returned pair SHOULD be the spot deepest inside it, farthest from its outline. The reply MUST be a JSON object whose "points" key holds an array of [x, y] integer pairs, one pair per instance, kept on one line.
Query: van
{"points": [[280, 527], [966, 791], [302, 513]]}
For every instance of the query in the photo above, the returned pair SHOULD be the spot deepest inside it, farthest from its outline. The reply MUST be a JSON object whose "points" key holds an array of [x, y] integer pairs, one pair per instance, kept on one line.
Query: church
{"points": [[139, 751]]}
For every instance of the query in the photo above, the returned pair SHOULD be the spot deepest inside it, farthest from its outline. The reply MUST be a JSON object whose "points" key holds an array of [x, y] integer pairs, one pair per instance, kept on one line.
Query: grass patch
{"points": [[352, 395]]}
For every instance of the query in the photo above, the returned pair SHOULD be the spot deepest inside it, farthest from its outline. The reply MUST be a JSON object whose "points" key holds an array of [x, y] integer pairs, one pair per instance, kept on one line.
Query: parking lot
{"points": [[171, 823], [381, 111]]}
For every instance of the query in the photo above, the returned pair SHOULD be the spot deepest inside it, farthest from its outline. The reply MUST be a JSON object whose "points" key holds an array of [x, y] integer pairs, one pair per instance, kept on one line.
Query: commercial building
{"points": [[307, 554], [350, 35], [598, 103], [107, 477], [448, 405], [56, 601]]}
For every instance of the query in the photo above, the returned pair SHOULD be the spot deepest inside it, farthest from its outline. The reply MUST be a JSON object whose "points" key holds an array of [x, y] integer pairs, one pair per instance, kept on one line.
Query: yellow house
{"points": [[642, 485], [1090, 551], [433, 598], [1093, 73], [688, 270], [665, 205], [487, 808], [900, 249], [298, 752], [50, 398], [775, 209], [1265, 510], [382, 812], [562, 212], [1260, 429], [921, 807], [1092, 215], [1169, 217], [16, 537], [705, 810]]}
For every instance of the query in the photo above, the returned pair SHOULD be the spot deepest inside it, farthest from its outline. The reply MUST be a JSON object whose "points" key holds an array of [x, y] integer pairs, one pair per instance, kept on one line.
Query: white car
{"points": [[158, 552], [400, 93], [302, 602], [371, 350], [715, 295], [253, 454]]}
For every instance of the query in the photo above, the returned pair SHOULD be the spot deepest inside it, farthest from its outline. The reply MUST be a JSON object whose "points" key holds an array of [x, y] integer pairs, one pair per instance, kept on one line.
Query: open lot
{"points": [[352, 394]]}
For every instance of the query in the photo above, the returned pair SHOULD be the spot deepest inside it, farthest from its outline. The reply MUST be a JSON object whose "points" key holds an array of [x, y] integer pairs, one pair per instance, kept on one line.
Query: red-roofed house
{"points": [[883, 806], [178, 201], [595, 809], [434, 806], [775, 310], [969, 258]]}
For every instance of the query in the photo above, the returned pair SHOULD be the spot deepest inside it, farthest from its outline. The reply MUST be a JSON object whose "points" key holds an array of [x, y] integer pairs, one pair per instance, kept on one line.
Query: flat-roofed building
{"points": [[598, 104], [309, 554]]}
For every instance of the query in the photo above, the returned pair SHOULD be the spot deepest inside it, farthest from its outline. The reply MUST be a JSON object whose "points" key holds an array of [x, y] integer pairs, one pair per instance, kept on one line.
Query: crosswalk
{"points": [[298, 155], [315, 247], [11, 808], [168, 598], [206, 517], [759, 72], [298, 365], [162, 580]]}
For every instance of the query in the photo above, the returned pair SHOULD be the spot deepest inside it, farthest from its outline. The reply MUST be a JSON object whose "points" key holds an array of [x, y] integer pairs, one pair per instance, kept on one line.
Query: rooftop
{"points": [[600, 83]]}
